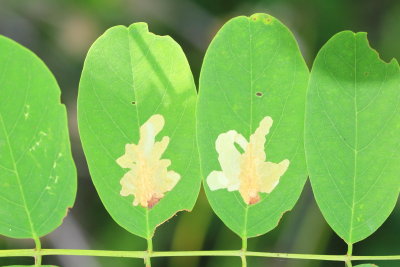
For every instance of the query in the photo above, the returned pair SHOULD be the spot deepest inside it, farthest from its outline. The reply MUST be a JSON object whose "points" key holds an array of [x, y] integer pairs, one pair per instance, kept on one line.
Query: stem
{"points": [[149, 252], [244, 250], [349, 255], [244, 235], [38, 248], [147, 259], [222, 253]]}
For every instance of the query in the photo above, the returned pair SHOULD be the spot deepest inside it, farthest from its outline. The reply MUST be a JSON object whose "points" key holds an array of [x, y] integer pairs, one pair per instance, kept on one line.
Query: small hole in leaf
{"points": [[259, 94], [133, 102]]}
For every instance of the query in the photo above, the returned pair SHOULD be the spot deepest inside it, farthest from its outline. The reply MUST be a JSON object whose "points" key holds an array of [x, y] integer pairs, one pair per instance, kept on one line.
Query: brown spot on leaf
{"points": [[254, 199], [154, 200]]}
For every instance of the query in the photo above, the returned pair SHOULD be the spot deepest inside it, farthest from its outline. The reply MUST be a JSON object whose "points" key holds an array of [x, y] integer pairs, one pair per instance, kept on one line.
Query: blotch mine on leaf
{"points": [[148, 178], [247, 173]]}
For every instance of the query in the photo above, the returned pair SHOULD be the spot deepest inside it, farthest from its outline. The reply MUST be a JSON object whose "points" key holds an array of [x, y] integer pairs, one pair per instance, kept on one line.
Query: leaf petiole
{"points": [[38, 248]]}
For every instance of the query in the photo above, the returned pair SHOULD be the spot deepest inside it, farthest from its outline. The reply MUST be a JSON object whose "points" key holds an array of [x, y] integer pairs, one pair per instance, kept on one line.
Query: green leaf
{"points": [[129, 76], [29, 266], [352, 135], [253, 69], [366, 265], [37, 172]]}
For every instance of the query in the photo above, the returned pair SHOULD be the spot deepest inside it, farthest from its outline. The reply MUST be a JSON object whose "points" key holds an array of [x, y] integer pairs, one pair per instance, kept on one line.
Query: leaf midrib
{"points": [[355, 141], [148, 234], [246, 209]]}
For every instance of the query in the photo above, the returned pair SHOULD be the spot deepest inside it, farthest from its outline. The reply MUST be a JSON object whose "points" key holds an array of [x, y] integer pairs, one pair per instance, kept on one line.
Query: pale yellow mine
{"points": [[247, 173], [148, 178]]}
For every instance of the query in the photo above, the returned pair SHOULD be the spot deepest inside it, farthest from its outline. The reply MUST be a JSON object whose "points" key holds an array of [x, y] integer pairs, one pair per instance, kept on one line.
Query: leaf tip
{"points": [[262, 17], [139, 27]]}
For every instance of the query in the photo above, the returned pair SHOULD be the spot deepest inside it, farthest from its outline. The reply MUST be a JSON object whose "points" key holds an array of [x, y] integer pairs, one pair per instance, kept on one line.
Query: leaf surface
{"points": [[131, 77], [253, 75], [37, 172], [352, 135]]}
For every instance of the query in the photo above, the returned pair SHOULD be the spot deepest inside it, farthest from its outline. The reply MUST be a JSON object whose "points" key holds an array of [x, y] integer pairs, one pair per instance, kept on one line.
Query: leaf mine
{"points": [[246, 172], [148, 178]]}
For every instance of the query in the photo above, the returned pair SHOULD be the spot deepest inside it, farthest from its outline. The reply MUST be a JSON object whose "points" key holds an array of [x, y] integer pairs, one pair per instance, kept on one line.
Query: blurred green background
{"points": [[61, 31]]}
